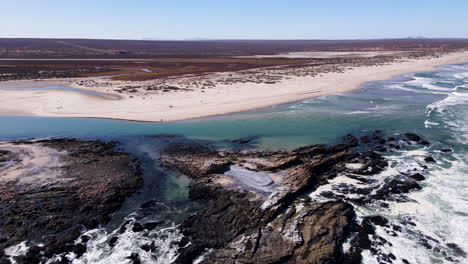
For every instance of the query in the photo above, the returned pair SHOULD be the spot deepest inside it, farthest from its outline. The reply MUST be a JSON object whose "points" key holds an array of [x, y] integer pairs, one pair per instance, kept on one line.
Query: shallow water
{"points": [[432, 104]]}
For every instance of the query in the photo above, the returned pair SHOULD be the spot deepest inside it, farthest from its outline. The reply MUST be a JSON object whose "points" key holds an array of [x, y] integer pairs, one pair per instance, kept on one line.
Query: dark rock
{"points": [[184, 242], [79, 249], [85, 238], [392, 187], [146, 247], [148, 204], [350, 141], [137, 227], [152, 225], [315, 231], [378, 220], [33, 255], [99, 177], [364, 139], [135, 258], [424, 142], [417, 177], [412, 137], [446, 150], [429, 159], [457, 251], [123, 227], [324, 228], [113, 241], [425, 243], [380, 149]]}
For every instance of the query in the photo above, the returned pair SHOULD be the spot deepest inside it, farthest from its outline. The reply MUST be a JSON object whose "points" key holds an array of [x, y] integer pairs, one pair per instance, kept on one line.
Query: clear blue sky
{"points": [[233, 19]]}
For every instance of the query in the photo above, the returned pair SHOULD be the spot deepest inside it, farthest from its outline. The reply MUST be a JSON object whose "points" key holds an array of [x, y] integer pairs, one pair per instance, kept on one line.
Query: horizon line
{"points": [[244, 39]]}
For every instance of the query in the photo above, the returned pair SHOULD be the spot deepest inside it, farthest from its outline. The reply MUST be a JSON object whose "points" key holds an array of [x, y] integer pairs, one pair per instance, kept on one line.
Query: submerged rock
{"points": [[412, 137]]}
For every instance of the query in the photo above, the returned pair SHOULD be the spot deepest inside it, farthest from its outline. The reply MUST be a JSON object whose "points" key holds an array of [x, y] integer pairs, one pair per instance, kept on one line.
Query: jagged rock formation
{"points": [[241, 224], [52, 190]]}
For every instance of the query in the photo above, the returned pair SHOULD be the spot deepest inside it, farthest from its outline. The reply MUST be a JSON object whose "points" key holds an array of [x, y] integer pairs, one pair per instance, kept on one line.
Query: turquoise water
{"points": [[431, 104], [321, 120]]}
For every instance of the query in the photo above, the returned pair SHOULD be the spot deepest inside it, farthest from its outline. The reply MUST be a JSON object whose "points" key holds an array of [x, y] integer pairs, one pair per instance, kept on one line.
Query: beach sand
{"points": [[220, 99]]}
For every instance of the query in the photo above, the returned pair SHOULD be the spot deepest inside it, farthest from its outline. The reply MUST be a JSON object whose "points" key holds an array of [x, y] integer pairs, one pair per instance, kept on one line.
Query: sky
{"points": [[233, 19]]}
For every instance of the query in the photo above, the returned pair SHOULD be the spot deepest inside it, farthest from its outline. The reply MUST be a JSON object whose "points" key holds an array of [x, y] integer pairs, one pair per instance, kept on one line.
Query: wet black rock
{"points": [[398, 186], [378, 220], [147, 247], [429, 159], [99, 178], [184, 242], [137, 227], [152, 225], [457, 251], [113, 241], [417, 177], [380, 149], [446, 150], [123, 227], [79, 249], [134, 258], [85, 238], [412, 137], [365, 238], [424, 142]]}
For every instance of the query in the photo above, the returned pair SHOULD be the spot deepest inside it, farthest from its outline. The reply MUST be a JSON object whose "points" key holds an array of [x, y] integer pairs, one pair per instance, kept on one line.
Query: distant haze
{"points": [[210, 19]]}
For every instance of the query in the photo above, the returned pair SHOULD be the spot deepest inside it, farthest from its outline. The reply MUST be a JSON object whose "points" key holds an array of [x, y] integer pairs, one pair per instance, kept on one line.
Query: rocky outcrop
{"points": [[87, 180], [241, 225], [311, 234], [245, 225]]}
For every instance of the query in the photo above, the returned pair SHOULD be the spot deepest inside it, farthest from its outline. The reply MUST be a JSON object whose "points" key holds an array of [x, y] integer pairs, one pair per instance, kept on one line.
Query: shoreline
{"points": [[193, 104]]}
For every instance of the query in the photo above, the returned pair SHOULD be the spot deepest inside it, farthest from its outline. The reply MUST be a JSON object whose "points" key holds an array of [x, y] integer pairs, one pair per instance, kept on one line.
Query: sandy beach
{"points": [[221, 98]]}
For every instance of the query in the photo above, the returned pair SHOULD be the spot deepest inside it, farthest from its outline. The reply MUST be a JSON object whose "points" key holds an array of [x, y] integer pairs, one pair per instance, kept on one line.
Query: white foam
{"points": [[100, 252], [455, 98], [417, 152], [429, 124], [413, 90], [16, 250], [463, 75], [354, 166], [358, 112], [199, 259]]}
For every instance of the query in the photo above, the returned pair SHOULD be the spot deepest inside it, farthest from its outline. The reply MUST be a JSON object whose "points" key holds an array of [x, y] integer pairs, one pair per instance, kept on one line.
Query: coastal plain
{"points": [[180, 96]]}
